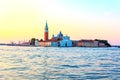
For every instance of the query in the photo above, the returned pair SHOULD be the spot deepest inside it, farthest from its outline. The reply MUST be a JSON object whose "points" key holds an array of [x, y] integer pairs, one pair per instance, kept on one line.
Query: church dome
{"points": [[60, 35]]}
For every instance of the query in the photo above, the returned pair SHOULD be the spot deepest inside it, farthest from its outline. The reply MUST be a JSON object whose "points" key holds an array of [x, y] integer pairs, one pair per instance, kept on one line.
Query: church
{"points": [[56, 41], [64, 41]]}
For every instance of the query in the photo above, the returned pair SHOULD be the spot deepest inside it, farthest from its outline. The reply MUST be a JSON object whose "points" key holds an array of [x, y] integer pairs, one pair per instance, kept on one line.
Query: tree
{"points": [[32, 41], [103, 41], [41, 39]]}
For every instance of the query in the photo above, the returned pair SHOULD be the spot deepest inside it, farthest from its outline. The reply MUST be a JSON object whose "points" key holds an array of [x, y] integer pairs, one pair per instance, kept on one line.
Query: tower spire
{"points": [[46, 24], [46, 32]]}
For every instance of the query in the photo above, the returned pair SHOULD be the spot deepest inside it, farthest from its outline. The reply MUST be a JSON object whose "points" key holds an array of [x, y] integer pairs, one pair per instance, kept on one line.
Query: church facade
{"points": [[66, 42], [56, 41]]}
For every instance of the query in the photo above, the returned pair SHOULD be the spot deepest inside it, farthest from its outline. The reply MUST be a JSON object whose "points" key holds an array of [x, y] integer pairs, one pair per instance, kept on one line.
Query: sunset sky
{"points": [[80, 19]]}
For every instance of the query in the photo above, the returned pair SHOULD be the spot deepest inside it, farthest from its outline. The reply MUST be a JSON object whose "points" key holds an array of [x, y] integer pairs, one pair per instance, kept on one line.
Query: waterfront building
{"points": [[66, 42], [54, 42], [101, 44], [45, 43], [87, 43], [48, 44], [36, 43], [74, 43]]}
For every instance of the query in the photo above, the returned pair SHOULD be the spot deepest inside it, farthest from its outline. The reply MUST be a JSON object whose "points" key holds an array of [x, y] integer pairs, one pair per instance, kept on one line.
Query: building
{"points": [[36, 43], [48, 44], [74, 43], [59, 36], [66, 42], [44, 43], [101, 44], [87, 43], [54, 42]]}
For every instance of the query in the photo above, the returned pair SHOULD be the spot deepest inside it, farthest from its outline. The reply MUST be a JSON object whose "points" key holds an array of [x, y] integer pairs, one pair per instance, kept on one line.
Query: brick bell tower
{"points": [[46, 34]]}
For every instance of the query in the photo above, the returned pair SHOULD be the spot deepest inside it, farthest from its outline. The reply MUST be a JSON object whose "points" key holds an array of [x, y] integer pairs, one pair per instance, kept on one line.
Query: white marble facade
{"points": [[36, 43], [66, 42]]}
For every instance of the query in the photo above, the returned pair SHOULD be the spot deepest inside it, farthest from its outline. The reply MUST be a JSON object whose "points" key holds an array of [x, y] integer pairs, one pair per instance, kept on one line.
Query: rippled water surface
{"points": [[39, 63]]}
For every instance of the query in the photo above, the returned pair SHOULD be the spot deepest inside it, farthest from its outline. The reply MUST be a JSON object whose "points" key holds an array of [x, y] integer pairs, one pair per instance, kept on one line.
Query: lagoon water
{"points": [[53, 63]]}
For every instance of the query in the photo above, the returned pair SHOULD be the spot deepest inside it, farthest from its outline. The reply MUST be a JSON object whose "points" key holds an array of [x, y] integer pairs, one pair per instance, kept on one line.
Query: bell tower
{"points": [[46, 32]]}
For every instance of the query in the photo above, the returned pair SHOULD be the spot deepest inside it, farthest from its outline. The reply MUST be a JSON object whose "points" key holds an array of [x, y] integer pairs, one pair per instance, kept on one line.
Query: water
{"points": [[39, 63]]}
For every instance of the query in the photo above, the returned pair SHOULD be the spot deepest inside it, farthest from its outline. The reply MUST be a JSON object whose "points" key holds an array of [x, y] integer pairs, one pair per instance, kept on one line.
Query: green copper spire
{"points": [[46, 25]]}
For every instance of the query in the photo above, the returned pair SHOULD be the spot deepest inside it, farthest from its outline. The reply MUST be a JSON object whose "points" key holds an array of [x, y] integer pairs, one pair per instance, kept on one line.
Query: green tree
{"points": [[103, 41], [32, 41]]}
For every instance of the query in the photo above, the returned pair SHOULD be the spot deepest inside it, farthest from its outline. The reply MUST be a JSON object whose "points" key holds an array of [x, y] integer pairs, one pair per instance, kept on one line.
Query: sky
{"points": [[21, 20]]}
